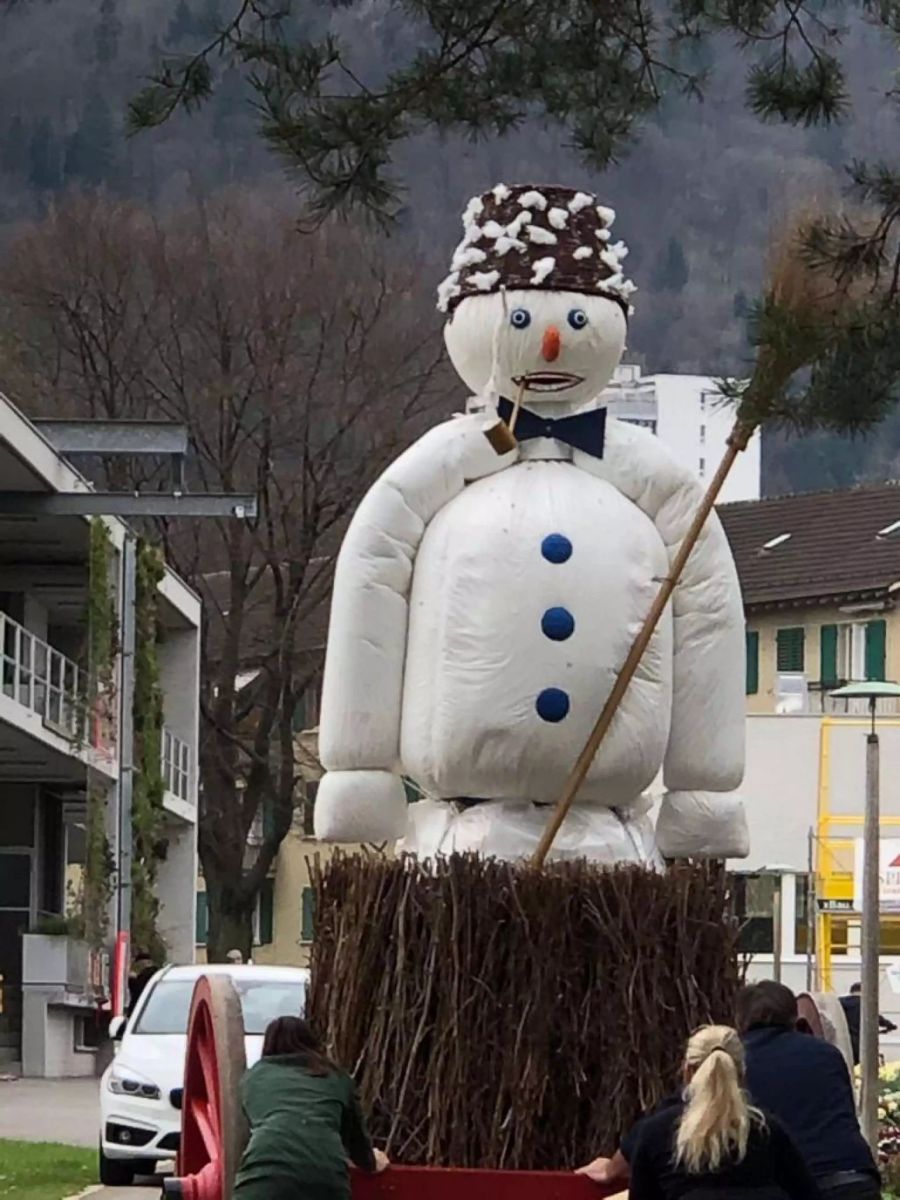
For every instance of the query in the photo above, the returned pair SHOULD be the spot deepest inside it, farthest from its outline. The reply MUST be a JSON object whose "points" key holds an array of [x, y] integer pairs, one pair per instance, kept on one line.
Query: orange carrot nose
{"points": [[550, 344]]}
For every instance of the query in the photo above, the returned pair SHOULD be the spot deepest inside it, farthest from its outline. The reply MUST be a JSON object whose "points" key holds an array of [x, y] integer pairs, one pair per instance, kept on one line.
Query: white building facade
{"points": [[52, 986], [690, 417]]}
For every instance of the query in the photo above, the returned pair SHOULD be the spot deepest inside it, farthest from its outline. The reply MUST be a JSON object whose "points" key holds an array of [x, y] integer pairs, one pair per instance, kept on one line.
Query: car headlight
{"points": [[125, 1082]]}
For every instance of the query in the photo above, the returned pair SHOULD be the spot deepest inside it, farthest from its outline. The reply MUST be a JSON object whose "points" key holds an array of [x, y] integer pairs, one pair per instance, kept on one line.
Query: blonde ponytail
{"points": [[717, 1117]]}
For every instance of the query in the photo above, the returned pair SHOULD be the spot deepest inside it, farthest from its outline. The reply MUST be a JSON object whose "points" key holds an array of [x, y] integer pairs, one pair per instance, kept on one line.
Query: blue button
{"points": [[552, 705], [557, 624], [556, 548]]}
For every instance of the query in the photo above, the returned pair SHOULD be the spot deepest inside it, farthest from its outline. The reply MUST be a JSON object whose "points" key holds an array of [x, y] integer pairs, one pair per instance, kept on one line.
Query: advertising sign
{"points": [[888, 875]]}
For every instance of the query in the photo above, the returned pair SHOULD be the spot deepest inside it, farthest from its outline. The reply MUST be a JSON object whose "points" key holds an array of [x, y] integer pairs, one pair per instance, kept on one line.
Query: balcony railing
{"points": [[40, 678], [176, 765]]}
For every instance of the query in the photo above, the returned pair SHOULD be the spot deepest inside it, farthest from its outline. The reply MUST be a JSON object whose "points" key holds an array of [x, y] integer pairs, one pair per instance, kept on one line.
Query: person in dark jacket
{"points": [[852, 1011], [806, 1083], [714, 1142], [305, 1122], [143, 968]]}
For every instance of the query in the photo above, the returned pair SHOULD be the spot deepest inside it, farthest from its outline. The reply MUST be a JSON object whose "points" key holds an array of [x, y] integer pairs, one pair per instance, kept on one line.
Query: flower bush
{"points": [[889, 1124]]}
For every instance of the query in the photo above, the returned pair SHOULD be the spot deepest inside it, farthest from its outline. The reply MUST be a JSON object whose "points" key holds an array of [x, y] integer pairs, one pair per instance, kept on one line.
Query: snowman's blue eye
{"points": [[520, 318], [578, 318]]}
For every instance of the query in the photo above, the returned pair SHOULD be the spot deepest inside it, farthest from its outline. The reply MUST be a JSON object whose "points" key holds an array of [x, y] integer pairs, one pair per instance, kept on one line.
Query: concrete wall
{"points": [[696, 431], [176, 888], [179, 664]]}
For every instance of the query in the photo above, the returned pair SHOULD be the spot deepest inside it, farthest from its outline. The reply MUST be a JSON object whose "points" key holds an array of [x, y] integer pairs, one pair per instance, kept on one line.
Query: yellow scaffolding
{"points": [[835, 835]]}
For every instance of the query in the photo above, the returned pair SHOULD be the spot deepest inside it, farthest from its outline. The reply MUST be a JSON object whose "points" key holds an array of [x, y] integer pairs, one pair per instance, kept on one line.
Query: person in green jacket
{"points": [[305, 1122]]}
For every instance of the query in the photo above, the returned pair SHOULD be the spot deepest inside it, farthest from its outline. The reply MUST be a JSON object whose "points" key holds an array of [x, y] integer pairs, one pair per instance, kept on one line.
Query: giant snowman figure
{"points": [[484, 600]]}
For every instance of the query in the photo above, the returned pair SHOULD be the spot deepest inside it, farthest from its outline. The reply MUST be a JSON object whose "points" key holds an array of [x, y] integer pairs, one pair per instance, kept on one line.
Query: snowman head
{"points": [[536, 296]]}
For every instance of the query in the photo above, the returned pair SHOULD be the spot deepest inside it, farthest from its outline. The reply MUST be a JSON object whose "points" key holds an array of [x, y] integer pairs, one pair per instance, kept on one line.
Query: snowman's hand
{"points": [[702, 825], [360, 806]]}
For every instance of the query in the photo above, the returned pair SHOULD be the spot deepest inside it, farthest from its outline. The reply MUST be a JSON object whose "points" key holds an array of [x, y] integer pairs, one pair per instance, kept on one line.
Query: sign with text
{"points": [[888, 875]]}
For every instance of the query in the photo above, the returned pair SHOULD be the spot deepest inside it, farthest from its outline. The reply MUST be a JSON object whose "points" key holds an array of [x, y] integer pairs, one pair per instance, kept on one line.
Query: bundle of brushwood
{"points": [[500, 1016]]}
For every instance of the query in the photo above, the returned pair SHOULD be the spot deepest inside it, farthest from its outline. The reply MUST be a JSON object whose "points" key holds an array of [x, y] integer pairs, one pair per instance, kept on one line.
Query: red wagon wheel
{"points": [[826, 1019], [213, 1129]]}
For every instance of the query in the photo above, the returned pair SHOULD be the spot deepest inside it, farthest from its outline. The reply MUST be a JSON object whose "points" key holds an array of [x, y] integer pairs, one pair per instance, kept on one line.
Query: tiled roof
{"points": [[833, 551]]}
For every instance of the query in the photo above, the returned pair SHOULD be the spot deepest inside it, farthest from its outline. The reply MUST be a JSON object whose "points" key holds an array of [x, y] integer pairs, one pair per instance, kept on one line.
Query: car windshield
{"points": [[262, 1000]]}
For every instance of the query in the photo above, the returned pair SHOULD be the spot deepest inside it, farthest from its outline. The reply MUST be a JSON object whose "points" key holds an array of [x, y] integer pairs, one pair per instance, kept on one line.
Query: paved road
{"points": [[130, 1193], [51, 1110]]}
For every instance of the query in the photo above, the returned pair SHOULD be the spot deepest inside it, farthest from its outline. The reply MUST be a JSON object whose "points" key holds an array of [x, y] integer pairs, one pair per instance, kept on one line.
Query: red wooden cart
{"points": [[213, 1132]]}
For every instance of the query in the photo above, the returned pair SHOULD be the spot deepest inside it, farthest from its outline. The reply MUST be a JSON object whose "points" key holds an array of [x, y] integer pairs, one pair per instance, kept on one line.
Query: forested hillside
{"points": [[696, 197]]}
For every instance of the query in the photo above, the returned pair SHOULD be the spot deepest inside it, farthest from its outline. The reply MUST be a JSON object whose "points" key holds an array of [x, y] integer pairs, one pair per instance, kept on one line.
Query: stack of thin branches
{"points": [[500, 1016]]}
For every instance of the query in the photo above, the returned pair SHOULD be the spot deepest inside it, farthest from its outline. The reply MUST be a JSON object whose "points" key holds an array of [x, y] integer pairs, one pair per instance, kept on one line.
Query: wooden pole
{"points": [[737, 442]]}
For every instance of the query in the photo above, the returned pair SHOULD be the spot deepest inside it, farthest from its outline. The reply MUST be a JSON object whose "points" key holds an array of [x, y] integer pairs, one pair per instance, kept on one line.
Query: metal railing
{"points": [[39, 678], [176, 765]]}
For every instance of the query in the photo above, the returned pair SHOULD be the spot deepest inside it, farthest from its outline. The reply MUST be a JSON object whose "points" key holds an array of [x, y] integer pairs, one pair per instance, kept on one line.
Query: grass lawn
{"points": [[44, 1170]]}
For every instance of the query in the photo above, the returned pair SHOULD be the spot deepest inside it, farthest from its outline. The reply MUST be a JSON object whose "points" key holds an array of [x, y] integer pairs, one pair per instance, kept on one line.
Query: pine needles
{"points": [[498, 1016]]}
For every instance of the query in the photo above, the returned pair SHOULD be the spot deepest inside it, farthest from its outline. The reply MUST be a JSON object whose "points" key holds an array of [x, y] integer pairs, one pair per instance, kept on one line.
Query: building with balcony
{"points": [[54, 749], [690, 417]]}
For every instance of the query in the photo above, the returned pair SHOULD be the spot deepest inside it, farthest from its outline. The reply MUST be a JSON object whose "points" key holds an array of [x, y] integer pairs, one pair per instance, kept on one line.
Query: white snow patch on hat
{"points": [[583, 252], [501, 192], [484, 280], [607, 215], [543, 237], [448, 290], [558, 217], [473, 211], [467, 256], [542, 268], [504, 244], [579, 201], [533, 199]]}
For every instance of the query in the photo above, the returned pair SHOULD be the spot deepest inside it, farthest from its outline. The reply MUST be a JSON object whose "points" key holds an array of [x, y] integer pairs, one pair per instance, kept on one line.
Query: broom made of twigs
{"points": [[799, 311]]}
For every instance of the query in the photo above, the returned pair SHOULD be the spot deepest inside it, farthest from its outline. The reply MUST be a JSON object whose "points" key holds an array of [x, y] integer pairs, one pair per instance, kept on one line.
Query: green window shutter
{"points": [[828, 647], [790, 649], [307, 914], [266, 912], [201, 921], [876, 638], [752, 639]]}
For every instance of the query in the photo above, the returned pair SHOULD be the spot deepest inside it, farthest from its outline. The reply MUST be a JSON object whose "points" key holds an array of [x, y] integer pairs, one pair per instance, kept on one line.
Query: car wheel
{"points": [[144, 1166], [115, 1172]]}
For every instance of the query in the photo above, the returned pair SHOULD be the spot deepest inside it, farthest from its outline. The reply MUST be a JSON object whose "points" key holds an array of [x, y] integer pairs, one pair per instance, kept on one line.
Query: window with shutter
{"points": [[876, 645], [307, 914], [752, 640], [201, 921], [266, 912], [828, 656], [790, 645]]}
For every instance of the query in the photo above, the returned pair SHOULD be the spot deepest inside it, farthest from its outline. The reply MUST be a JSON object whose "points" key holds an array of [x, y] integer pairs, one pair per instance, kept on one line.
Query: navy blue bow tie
{"points": [[582, 431]]}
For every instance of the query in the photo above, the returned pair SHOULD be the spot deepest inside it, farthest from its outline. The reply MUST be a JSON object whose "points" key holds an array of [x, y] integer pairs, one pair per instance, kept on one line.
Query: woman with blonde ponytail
{"points": [[714, 1141]]}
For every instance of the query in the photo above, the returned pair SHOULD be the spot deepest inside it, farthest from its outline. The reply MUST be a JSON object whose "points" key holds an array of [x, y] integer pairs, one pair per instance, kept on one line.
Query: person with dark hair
{"points": [[143, 968], [806, 1083], [852, 1011], [305, 1122]]}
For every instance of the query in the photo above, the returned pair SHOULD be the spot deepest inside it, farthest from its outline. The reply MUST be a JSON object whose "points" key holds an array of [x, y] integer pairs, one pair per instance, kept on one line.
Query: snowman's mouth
{"points": [[548, 381]]}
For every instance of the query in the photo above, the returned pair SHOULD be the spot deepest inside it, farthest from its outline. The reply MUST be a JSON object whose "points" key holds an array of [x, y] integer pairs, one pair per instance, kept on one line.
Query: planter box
{"points": [[51, 961], [437, 1183]]}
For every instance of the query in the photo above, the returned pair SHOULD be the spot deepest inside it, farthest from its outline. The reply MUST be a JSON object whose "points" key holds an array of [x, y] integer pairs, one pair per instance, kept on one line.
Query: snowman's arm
{"points": [[361, 797], [705, 754]]}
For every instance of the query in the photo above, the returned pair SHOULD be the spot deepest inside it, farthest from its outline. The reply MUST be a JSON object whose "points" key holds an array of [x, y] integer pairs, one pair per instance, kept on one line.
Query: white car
{"points": [[140, 1124]]}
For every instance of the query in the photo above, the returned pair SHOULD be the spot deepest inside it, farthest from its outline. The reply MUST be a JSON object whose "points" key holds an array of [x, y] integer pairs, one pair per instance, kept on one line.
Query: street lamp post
{"points": [[871, 907]]}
